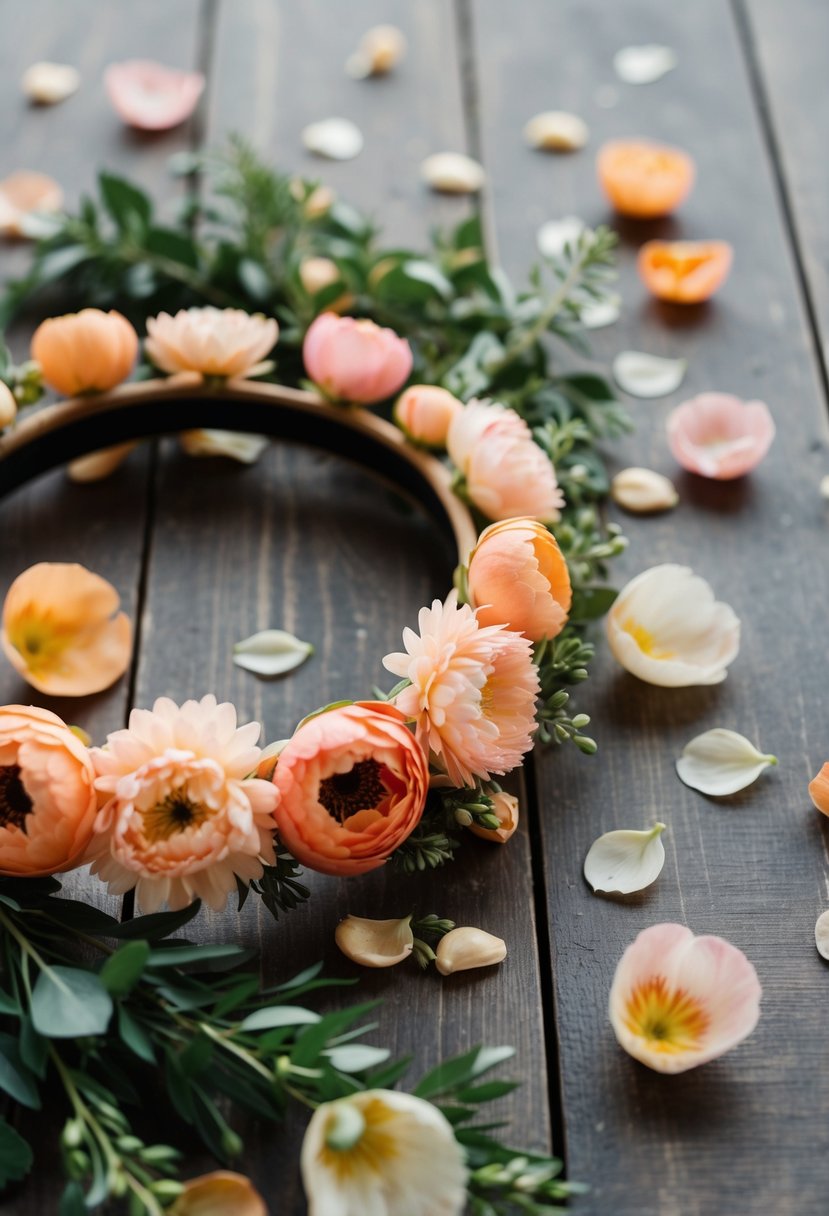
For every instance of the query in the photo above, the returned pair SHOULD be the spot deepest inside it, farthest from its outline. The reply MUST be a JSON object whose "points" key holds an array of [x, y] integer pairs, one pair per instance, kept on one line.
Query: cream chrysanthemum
{"points": [[473, 690], [180, 818]]}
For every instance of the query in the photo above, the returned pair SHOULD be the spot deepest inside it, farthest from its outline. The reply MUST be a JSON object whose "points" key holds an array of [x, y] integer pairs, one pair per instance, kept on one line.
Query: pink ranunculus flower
{"points": [[180, 818], [507, 474], [150, 96], [473, 691], [678, 1000], [355, 360], [718, 435], [424, 413]]}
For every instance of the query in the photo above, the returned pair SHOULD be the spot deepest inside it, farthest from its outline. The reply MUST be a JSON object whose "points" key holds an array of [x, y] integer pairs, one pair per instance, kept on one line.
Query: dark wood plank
{"points": [[308, 543], [740, 1134]]}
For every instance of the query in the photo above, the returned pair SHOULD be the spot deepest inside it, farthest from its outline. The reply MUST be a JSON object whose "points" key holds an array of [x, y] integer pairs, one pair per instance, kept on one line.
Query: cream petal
{"points": [[597, 314], [643, 64], [333, 138], [643, 491], [272, 652], [234, 444], [721, 762], [822, 935], [49, 83], [375, 943], [647, 376], [557, 131], [625, 861], [453, 173], [553, 237]]}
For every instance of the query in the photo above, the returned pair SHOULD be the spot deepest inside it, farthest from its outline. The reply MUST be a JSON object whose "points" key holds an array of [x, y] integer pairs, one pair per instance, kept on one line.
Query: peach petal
{"points": [[720, 436], [26, 193], [819, 790], [150, 96], [221, 1193]]}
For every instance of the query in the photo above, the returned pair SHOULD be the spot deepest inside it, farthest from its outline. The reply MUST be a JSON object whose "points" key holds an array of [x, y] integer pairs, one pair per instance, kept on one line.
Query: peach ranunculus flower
{"points": [[678, 1000], [355, 361], [352, 785], [150, 96], [518, 577], [221, 1193], [473, 691], [25, 193], [212, 341], [506, 472], [180, 819], [720, 436], [424, 413], [85, 352], [61, 630], [47, 793]]}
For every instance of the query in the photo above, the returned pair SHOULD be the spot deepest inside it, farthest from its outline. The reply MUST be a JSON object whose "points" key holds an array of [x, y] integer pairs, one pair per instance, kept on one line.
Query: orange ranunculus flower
{"points": [[819, 790], [643, 179], [221, 1193], [47, 796], [61, 630], [518, 577], [684, 272], [85, 352], [352, 785]]}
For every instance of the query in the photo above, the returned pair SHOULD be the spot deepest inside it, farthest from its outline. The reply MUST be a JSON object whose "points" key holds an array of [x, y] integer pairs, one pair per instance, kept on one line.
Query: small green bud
{"points": [[166, 1188], [463, 818], [72, 1134], [579, 674], [581, 720], [586, 745]]}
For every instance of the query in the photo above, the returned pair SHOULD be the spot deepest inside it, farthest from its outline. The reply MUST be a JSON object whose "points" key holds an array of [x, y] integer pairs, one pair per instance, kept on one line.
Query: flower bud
{"points": [[316, 274], [8, 406], [424, 413], [375, 943], [505, 807], [466, 948]]}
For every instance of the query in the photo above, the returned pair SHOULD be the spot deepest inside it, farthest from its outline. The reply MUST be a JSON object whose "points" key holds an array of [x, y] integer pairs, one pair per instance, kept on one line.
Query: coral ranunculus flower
{"points": [[473, 690], [684, 272], [47, 793], [518, 577], [212, 341], [180, 818], [221, 1193], [150, 96], [352, 784], [507, 474], [720, 436], [424, 413], [355, 360], [644, 180], [85, 352], [62, 630], [678, 1000]]}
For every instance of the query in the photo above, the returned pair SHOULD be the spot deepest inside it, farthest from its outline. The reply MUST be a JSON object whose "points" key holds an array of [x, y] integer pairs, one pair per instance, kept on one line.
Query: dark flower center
{"points": [[172, 815], [360, 789], [15, 803]]}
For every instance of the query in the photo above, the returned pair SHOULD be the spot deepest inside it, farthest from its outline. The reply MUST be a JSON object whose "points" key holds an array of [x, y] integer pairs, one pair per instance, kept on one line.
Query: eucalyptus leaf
{"points": [[356, 1057], [68, 1003], [273, 652], [16, 1156], [123, 969], [279, 1015], [134, 1036], [15, 1078]]}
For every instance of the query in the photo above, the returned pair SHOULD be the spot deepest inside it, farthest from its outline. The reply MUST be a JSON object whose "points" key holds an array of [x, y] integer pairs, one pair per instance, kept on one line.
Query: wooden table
{"points": [[204, 553]]}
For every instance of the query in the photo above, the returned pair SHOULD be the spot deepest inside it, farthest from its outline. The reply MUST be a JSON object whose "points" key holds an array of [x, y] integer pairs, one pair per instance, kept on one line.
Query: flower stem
{"points": [[551, 310]]}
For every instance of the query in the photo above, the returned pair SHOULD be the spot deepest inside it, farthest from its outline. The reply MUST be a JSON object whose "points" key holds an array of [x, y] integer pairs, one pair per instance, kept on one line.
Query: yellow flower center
{"points": [[671, 1020], [39, 641], [175, 813], [370, 1152], [645, 640]]}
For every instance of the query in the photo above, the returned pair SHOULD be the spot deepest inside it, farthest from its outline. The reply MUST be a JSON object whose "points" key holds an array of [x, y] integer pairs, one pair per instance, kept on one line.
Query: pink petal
{"points": [[150, 96], [720, 436]]}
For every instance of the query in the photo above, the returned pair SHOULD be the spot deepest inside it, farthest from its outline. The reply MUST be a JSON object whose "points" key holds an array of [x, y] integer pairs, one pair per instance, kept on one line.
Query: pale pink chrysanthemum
{"points": [[473, 690], [181, 819]]}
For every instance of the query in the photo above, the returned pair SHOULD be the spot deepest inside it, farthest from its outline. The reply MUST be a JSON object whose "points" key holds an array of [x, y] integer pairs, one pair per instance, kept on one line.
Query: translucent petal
{"points": [[553, 236], [625, 861], [273, 652], [644, 375], [643, 64], [721, 762], [822, 935], [334, 138]]}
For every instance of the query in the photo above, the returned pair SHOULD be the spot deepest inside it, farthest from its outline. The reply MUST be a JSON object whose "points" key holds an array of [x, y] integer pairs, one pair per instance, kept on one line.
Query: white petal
{"points": [[721, 762], [553, 236], [625, 861], [334, 138], [453, 173], [557, 131], [643, 64], [271, 652], [596, 314], [644, 375], [238, 446], [48, 83], [822, 935]]}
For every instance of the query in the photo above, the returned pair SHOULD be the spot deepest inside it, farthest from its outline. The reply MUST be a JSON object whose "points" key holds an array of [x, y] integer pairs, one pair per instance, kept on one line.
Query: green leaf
{"points": [[158, 924], [255, 280], [34, 1050], [68, 1003], [59, 262], [8, 1004], [357, 1057], [313, 1039], [177, 956], [175, 246], [487, 1092], [72, 1201], [129, 207], [279, 1015], [73, 914], [134, 1036], [123, 969], [590, 603], [472, 374], [451, 1074], [15, 1078], [16, 1156], [414, 282]]}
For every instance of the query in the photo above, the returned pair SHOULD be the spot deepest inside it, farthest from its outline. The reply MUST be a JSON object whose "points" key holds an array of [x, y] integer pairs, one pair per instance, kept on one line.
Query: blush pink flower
{"points": [[352, 785], [720, 436], [47, 793], [211, 341], [678, 1000], [506, 472], [150, 96], [424, 413], [355, 360], [180, 818], [473, 690]]}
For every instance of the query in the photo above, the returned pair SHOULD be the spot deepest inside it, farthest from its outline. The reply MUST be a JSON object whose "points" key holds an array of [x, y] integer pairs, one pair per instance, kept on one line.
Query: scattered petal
{"points": [[721, 762], [380, 50], [557, 131], [453, 173], [824, 486], [822, 935], [643, 491], [375, 943], [643, 179], [596, 314], [684, 272], [466, 948], [221, 1193], [625, 861], [150, 96], [98, 465], [235, 444], [720, 436], [643, 64], [553, 237], [273, 652], [48, 83], [819, 790], [643, 375], [25, 194], [333, 138], [8, 406]]}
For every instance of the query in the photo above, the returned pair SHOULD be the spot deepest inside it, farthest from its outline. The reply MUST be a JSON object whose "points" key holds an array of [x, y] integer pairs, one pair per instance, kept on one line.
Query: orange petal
{"points": [[221, 1193], [819, 790], [685, 272], [643, 179]]}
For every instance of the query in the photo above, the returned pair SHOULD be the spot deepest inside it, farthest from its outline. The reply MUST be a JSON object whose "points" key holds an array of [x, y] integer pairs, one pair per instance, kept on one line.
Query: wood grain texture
{"points": [[746, 1133]]}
